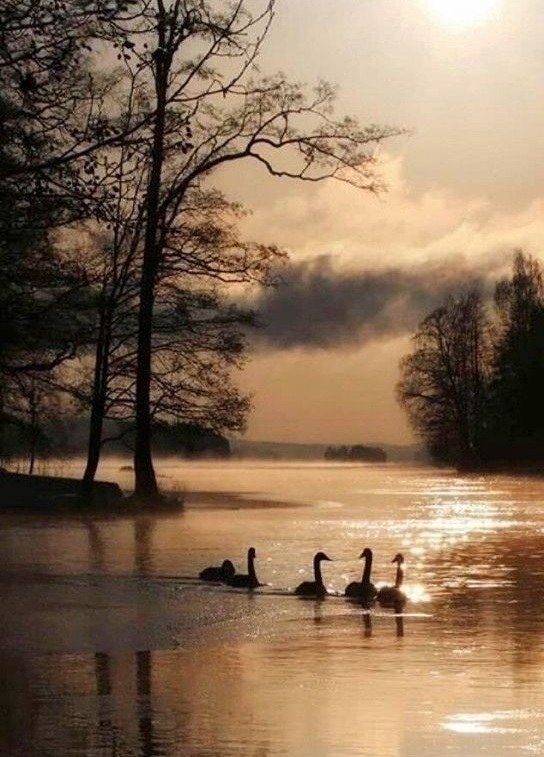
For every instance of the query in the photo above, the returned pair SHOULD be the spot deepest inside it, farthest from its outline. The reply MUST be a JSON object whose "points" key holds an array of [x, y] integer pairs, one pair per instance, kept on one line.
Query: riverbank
{"points": [[39, 493]]}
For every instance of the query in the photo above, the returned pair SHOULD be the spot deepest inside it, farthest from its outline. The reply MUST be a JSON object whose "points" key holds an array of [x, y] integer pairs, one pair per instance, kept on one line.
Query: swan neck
{"points": [[400, 576], [317, 572], [367, 569], [251, 567]]}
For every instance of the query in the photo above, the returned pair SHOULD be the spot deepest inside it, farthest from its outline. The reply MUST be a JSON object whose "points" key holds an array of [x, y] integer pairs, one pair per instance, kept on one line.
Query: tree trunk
{"points": [[33, 427], [95, 440], [32, 460], [145, 479], [98, 401], [2, 421]]}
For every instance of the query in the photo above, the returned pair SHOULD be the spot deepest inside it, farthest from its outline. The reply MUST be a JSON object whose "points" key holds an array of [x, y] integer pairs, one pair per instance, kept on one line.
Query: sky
{"points": [[466, 78]]}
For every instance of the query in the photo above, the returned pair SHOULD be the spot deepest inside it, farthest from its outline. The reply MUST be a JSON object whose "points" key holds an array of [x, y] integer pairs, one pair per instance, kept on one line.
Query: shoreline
{"points": [[39, 494]]}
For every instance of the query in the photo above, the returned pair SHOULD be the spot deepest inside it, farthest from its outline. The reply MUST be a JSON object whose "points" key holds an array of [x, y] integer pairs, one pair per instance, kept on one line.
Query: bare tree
{"points": [[443, 382], [194, 64], [199, 336], [51, 112], [56, 104]]}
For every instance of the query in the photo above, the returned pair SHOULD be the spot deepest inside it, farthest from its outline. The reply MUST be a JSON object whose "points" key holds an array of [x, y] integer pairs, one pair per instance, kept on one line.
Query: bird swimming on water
{"points": [[392, 596], [315, 588], [363, 589], [249, 580], [222, 572]]}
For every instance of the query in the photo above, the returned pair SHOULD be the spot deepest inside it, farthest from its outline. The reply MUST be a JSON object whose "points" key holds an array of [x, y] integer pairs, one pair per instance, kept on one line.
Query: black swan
{"points": [[249, 580], [223, 572], [315, 588], [392, 596], [363, 590]]}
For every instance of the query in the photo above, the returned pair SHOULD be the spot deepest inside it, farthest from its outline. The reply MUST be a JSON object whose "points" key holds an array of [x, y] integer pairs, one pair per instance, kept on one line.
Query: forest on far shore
{"points": [[473, 386]]}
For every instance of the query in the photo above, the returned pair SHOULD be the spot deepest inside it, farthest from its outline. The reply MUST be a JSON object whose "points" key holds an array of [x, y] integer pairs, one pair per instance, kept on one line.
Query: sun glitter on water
{"points": [[461, 12], [416, 593]]}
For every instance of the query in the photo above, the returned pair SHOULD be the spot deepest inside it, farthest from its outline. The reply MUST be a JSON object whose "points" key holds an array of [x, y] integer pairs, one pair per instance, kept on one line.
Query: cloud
{"points": [[364, 268], [319, 307], [403, 227]]}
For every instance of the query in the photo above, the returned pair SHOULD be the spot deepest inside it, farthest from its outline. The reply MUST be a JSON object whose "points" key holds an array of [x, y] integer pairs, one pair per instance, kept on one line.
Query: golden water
{"points": [[109, 647]]}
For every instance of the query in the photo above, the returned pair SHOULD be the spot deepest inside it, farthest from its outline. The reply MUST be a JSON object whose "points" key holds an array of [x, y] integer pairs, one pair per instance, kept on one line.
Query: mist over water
{"points": [[109, 646]]}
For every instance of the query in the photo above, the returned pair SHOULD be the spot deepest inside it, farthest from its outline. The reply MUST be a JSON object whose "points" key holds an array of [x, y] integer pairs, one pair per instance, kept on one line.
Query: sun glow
{"points": [[461, 12]]}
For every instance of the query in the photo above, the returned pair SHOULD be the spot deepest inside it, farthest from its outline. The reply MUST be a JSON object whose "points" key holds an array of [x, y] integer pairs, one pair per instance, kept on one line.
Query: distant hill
{"points": [[291, 451]]}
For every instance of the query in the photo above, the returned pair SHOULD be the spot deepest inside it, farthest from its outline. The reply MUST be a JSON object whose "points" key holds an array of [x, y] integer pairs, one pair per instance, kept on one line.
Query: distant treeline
{"points": [[473, 386], [358, 452], [189, 440], [66, 436]]}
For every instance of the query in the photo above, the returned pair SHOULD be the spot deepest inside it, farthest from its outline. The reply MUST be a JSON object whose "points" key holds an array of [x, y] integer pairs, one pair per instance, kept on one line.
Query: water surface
{"points": [[108, 646]]}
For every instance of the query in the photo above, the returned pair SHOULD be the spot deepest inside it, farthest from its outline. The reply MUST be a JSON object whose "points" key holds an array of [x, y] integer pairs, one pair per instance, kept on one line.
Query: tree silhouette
{"points": [[472, 387], [517, 417], [194, 66], [443, 381]]}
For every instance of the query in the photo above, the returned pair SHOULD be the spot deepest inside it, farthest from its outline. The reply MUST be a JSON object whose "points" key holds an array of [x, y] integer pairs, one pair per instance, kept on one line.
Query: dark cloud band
{"points": [[320, 307]]}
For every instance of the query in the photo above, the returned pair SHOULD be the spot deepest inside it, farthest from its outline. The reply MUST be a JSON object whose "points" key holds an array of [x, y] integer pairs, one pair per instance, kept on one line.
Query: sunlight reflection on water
{"points": [[107, 642], [485, 722]]}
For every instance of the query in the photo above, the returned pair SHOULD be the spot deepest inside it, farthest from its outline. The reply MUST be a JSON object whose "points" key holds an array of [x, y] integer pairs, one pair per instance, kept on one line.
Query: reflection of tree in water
{"points": [[107, 733], [144, 706], [109, 736], [143, 545], [102, 670], [143, 561], [18, 714], [97, 551]]}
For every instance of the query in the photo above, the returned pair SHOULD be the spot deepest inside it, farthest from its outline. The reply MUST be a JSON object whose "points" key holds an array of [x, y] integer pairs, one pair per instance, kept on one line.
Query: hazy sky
{"points": [[465, 189]]}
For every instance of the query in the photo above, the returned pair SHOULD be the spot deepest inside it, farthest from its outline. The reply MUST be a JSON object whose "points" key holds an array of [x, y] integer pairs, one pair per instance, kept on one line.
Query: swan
{"points": [[392, 596], [249, 580], [315, 588], [223, 572], [363, 589]]}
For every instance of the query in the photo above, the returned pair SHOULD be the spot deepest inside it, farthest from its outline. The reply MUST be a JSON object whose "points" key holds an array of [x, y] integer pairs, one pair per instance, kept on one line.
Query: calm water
{"points": [[109, 647]]}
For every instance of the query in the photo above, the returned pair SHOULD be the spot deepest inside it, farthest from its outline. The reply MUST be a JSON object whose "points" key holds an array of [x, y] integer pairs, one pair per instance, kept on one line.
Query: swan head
{"points": [[227, 568], [399, 558], [367, 552], [322, 556], [251, 553]]}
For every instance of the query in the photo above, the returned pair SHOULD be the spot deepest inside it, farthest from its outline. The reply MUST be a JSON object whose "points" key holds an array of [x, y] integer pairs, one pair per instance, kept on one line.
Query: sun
{"points": [[461, 12]]}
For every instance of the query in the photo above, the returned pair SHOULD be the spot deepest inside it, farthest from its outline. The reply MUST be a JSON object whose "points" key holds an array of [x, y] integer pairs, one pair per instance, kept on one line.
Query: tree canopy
{"points": [[472, 385], [115, 244]]}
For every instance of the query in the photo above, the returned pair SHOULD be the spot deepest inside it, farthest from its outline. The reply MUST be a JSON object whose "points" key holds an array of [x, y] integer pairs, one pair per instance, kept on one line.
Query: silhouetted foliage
{"points": [[516, 422], [189, 440], [442, 383], [198, 336], [201, 104], [114, 115], [45, 301], [472, 387], [49, 106]]}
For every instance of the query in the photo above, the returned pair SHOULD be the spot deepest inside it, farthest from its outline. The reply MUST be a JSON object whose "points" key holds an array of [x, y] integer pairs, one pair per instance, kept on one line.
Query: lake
{"points": [[109, 646]]}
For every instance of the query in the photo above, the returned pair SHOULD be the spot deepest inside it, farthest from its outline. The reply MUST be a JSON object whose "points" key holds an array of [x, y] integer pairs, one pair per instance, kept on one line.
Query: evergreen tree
{"points": [[516, 419]]}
